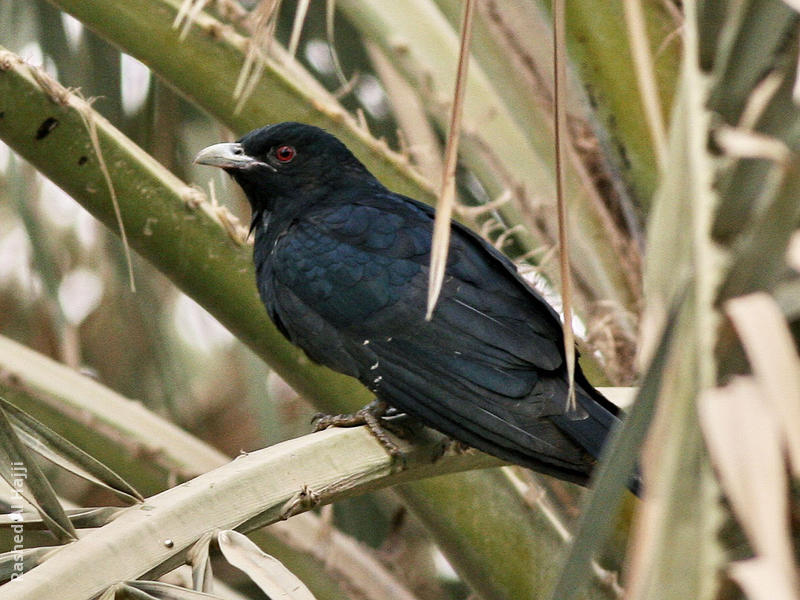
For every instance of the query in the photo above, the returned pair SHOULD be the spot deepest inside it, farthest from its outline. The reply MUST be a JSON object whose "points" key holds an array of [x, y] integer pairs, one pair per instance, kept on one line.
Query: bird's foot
{"points": [[372, 415]]}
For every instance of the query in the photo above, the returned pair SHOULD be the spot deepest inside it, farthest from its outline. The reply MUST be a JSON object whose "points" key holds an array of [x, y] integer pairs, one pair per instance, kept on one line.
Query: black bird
{"points": [[342, 268]]}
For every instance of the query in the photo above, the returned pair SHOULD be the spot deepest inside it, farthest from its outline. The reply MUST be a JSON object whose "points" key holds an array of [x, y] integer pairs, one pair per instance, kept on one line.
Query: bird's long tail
{"points": [[592, 432]]}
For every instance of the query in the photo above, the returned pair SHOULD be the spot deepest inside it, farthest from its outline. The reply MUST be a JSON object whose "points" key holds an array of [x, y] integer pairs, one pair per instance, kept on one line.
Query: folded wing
{"points": [[350, 288]]}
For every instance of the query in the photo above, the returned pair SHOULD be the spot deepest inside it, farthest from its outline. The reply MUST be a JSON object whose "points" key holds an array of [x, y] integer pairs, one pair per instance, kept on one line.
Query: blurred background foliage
{"points": [[64, 279]]}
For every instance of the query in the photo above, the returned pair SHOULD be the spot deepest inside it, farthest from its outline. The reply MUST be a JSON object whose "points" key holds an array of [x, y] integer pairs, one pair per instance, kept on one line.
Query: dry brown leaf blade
{"points": [[744, 442], [559, 87], [89, 117], [770, 349], [330, 11], [446, 200], [267, 572], [759, 580], [297, 26], [187, 14], [645, 76], [264, 18]]}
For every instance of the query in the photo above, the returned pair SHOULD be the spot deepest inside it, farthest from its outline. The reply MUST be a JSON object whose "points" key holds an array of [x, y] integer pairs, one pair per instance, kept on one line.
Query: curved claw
{"points": [[371, 416]]}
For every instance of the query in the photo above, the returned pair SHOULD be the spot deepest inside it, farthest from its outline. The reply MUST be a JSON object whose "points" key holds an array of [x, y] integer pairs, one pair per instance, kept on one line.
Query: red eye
{"points": [[285, 153]]}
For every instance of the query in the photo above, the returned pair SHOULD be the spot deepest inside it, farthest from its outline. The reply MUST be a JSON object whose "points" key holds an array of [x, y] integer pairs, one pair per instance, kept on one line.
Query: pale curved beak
{"points": [[228, 156]]}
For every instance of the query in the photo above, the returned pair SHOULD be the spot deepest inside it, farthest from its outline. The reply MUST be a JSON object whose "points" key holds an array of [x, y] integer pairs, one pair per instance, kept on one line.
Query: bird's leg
{"points": [[371, 416]]}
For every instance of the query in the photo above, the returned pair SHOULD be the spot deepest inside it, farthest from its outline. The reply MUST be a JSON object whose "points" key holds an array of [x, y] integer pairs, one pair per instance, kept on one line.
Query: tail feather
{"points": [[592, 431]]}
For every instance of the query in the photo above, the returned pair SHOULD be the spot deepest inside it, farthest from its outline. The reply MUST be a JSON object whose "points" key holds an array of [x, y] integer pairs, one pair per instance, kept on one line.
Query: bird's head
{"points": [[286, 165]]}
